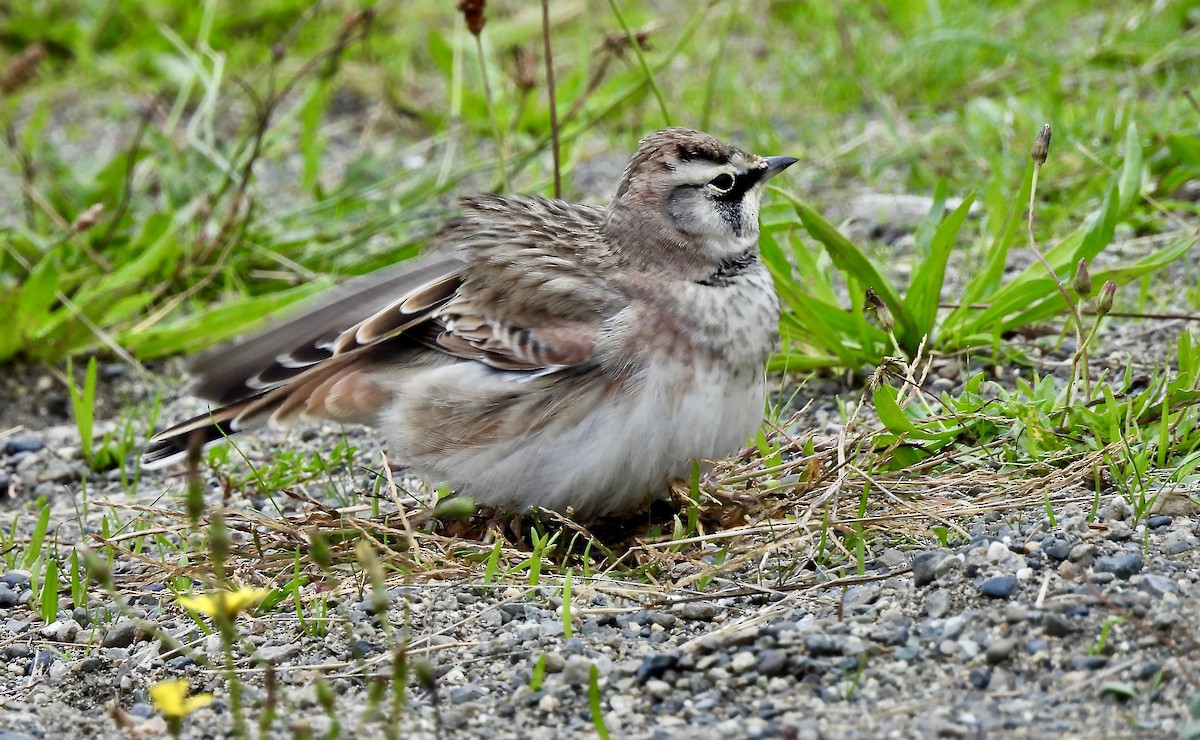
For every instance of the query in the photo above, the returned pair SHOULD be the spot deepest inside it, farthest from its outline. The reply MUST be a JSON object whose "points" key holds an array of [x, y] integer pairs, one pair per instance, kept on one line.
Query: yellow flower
{"points": [[170, 698], [224, 603]]}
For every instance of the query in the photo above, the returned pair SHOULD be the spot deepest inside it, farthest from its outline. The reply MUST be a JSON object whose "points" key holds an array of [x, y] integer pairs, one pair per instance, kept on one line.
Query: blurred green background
{"points": [[171, 171]]}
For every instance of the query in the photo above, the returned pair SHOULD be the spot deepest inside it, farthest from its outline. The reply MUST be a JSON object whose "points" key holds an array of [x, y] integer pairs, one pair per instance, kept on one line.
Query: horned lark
{"points": [[543, 353]]}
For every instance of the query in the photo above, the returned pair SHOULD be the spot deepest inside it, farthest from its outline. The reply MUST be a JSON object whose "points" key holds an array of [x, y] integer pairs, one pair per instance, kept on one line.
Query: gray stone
{"points": [[937, 603], [1055, 625], [820, 644], [1158, 585], [23, 443], [742, 661], [700, 611], [120, 635], [276, 654], [1123, 565], [924, 565], [15, 579], [772, 662], [577, 671], [999, 649], [998, 587]]}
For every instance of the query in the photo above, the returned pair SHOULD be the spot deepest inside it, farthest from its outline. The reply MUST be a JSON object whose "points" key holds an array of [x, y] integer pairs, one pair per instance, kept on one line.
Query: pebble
{"points": [[742, 661], [577, 670], [1122, 566], [937, 603], [924, 566], [15, 579], [1158, 585], [999, 649], [998, 587], [1055, 625], [23, 443], [121, 634], [772, 662]]}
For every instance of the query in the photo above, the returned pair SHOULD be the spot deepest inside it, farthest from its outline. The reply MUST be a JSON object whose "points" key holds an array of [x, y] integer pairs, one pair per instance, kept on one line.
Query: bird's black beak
{"points": [[775, 165]]}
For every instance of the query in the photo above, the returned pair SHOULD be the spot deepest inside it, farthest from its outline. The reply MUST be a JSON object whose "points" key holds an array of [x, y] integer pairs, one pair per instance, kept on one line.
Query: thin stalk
{"points": [[491, 109], [550, 89], [637, 49]]}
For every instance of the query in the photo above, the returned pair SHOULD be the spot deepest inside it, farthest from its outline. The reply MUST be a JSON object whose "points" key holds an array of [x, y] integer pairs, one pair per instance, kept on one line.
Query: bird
{"points": [[539, 353]]}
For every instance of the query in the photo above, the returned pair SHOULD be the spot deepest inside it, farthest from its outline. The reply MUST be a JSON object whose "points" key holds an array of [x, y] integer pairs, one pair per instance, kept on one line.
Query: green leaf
{"points": [[199, 330], [854, 263], [925, 292], [1130, 180]]}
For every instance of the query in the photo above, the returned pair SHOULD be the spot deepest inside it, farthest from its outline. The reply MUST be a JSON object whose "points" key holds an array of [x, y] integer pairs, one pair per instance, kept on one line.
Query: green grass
{"points": [[181, 170]]}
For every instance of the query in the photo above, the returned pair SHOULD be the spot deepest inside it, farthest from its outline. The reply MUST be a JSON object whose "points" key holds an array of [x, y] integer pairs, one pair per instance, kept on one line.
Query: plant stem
{"points": [[551, 92], [491, 109], [637, 49]]}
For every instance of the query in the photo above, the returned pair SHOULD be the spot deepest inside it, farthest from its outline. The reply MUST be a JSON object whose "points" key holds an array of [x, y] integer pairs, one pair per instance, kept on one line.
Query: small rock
{"points": [[998, 587], [1159, 521], [577, 671], [62, 630], [821, 644], [742, 661], [654, 666], [1119, 531], [464, 694], [121, 634], [23, 443], [276, 654], [772, 662], [1087, 663], [699, 611], [924, 565], [998, 650], [937, 603], [15, 579], [58, 669], [1082, 553], [979, 678], [948, 565], [1122, 566], [1177, 544], [1158, 585], [1058, 551], [658, 688], [8, 597], [1055, 625]]}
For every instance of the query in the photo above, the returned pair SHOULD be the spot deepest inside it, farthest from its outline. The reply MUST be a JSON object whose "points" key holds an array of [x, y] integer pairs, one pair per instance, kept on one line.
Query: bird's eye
{"points": [[721, 183]]}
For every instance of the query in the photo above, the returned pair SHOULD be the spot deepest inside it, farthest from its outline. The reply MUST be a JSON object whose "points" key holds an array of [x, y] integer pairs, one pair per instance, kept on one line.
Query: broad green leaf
{"points": [[925, 292]]}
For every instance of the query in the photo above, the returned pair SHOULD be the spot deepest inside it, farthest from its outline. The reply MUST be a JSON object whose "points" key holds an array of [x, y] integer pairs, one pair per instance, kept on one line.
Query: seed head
{"points": [[472, 11], [1041, 147], [1105, 302], [22, 68], [1082, 282], [873, 305], [88, 218]]}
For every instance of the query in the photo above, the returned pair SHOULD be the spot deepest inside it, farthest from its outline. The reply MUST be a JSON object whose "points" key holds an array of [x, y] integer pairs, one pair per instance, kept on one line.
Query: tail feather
{"points": [[172, 445]]}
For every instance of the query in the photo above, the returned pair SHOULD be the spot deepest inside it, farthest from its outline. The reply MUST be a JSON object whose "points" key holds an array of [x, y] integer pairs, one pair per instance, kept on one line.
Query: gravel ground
{"points": [[1076, 627]]}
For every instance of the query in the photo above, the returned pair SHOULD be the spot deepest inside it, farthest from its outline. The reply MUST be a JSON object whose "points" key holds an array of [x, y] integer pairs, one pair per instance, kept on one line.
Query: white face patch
{"points": [[701, 171]]}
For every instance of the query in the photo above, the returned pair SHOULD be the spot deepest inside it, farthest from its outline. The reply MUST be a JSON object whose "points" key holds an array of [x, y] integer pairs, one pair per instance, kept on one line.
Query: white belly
{"points": [[622, 452]]}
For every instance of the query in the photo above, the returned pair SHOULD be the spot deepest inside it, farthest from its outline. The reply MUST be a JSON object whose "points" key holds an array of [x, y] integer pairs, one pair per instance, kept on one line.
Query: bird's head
{"points": [[688, 188]]}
